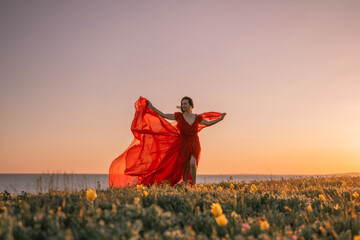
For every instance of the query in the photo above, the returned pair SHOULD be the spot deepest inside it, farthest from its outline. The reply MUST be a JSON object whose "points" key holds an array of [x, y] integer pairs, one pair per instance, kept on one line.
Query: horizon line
{"points": [[267, 174]]}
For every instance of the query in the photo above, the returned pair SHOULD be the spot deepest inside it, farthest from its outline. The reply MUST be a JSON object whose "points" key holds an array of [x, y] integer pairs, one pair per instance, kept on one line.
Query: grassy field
{"points": [[312, 208]]}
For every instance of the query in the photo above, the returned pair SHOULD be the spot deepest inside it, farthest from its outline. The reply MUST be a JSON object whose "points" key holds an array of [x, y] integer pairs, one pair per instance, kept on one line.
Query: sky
{"points": [[287, 73]]}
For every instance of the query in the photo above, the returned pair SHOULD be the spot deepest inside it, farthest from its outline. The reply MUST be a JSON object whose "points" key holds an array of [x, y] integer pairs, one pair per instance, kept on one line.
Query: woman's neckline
{"points": [[182, 114]]}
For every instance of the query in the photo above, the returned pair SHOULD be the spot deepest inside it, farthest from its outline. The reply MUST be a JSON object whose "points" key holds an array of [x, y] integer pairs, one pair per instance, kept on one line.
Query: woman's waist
{"points": [[189, 137]]}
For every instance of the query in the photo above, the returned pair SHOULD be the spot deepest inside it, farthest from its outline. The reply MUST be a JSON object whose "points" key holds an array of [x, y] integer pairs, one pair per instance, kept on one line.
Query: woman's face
{"points": [[185, 105]]}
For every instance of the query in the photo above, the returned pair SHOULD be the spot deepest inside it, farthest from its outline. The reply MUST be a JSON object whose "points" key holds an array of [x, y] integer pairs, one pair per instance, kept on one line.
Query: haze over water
{"points": [[43, 183], [285, 72]]}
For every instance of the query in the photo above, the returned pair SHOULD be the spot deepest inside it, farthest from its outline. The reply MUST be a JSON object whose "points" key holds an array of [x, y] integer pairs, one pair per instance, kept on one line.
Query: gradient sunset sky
{"points": [[287, 73]]}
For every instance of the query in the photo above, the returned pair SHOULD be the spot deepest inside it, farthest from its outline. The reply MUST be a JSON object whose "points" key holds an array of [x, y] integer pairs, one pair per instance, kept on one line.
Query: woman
{"points": [[162, 151]]}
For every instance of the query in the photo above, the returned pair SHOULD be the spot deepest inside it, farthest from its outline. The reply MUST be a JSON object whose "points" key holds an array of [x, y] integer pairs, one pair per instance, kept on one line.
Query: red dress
{"points": [[160, 149]]}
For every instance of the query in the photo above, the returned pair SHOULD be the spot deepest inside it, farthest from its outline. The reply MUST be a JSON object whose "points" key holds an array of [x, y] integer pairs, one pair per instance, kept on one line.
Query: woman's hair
{"points": [[189, 100]]}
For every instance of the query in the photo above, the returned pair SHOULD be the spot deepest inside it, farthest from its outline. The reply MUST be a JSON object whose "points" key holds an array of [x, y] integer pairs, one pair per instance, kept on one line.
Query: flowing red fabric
{"points": [[160, 149]]}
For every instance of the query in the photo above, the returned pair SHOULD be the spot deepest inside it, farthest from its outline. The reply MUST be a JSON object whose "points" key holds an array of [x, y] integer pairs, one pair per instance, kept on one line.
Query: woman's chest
{"points": [[189, 119]]}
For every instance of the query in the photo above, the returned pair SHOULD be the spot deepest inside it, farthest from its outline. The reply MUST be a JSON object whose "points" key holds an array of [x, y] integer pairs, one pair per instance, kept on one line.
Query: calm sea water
{"points": [[36, 183]]}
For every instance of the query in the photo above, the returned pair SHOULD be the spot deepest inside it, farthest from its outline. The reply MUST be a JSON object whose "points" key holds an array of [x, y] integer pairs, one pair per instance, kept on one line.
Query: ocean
{"points": [[42, 183]]}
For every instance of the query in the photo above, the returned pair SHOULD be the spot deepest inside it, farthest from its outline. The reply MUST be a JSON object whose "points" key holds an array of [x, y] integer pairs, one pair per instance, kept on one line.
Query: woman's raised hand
{"points": [[149, 104]]}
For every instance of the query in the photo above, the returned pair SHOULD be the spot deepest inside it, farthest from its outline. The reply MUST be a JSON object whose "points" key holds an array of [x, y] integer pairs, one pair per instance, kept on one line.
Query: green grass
{"points": [[184, 212]]}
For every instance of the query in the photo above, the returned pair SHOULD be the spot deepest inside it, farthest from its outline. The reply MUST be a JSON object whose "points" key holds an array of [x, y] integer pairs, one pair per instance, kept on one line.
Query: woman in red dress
{"points": [[162, 151]]}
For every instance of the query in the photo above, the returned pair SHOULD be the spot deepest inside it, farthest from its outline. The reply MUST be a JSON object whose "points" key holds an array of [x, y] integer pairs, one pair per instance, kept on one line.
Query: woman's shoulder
{"points": [[177, 115]]}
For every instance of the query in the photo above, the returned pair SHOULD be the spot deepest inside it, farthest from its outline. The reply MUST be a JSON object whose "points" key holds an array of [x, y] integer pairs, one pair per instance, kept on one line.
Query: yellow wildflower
{"points": [[81, 212], [140, 188], [287, 208], [145, 193], [114, 208], [3, 208], [264, 225], [216, 209], [355, 195], [322, 231], [337, 207], [91, 194], [98, 212], [220, 188], [232, 186], [68, 234], [356, 237], [136, 200], [309, 208], [234, 214], [253, 188], [58, 211], [322, 198], [221, 220]]}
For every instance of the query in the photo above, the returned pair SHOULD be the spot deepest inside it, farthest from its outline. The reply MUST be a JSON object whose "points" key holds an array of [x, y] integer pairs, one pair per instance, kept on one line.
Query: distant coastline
{"points": [[352, 174], [43, 182]]}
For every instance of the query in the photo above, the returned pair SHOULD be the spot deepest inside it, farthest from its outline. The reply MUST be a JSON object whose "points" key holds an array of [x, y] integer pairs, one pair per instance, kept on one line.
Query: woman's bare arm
{"points": [[161, 114], [208, 123]]}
